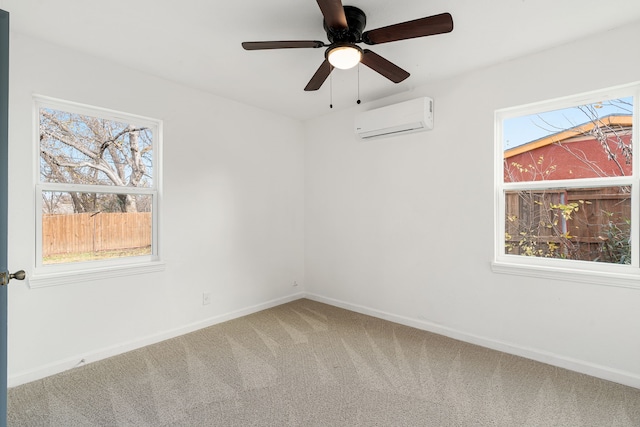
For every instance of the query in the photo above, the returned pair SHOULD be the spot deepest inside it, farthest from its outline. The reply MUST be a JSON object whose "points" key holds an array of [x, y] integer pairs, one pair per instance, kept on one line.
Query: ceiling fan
{"points": [[344, 26]]}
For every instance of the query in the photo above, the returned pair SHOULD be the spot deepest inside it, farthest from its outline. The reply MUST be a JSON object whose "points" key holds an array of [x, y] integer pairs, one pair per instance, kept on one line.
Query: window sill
{"points": [[42, 280], [628, 279]]}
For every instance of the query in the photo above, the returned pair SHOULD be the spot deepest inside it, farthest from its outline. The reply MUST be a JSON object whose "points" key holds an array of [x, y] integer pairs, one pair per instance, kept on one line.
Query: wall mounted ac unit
{"points": [[406, 117]]}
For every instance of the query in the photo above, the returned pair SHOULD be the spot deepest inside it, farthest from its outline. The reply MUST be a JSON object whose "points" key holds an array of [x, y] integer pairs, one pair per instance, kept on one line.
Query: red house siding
{"points": [[567, 156], [581, 157]]}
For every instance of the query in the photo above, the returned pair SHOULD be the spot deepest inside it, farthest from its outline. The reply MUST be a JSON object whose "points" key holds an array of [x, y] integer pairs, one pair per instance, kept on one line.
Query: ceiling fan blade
{"points": [[333, 13], [290, 44], [320, 76], [436, 24], [386, 68]]}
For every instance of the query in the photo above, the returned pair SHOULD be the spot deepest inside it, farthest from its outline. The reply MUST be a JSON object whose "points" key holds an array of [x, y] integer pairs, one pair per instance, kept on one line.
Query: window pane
{"points": [[587, 224], [78, 227], [82, 149], [585, 141]]}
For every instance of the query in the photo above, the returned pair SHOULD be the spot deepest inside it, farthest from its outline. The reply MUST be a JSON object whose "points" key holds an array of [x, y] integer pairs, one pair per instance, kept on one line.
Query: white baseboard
{"points": [[599, 371], [584, 367], [56, 367]]}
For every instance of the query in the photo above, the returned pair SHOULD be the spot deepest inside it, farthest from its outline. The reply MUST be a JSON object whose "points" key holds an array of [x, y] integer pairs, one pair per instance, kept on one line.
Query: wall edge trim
{"points": [[69, 363], [576, 365]]}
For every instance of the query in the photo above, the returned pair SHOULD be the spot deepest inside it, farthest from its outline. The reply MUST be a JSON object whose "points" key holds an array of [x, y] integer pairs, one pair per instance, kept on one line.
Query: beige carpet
{"points": [[310, 364]]}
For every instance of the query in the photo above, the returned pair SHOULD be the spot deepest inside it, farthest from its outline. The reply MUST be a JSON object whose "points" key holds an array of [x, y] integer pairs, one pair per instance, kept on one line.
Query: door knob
{"points": [[5, 276]]}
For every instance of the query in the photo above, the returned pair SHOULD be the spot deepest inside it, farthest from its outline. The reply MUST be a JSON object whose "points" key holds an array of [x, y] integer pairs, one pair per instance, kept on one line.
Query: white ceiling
{"points": [[197, 42]]}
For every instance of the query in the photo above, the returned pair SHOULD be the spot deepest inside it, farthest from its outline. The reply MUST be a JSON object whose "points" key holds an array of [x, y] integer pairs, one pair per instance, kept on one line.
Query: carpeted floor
{"points": [[309, 364]]}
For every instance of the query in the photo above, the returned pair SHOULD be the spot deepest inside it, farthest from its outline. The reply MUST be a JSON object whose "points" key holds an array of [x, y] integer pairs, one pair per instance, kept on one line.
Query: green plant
{"points": [[615, 242]]}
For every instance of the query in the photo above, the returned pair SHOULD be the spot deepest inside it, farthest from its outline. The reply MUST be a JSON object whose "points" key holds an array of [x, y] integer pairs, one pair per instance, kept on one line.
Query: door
{"points": [[5, 277], [4, 162]]}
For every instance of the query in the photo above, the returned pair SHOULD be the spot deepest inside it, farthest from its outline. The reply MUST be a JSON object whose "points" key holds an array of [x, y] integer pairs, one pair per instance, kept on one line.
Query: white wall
{"points": [[402, 228], [232, 215]]}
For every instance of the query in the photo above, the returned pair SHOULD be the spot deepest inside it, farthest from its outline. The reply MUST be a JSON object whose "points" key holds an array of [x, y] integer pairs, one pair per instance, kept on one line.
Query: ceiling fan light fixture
{"points": [[344, 56]]}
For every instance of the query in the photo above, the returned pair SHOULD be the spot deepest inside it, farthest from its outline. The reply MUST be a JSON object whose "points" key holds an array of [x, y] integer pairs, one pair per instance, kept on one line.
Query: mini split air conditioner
{"points": [[406, 117]]}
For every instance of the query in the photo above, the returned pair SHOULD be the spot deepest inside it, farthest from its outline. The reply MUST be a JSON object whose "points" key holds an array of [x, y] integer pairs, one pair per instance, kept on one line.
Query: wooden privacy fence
{"points": [[91, 232], [534, 219]]}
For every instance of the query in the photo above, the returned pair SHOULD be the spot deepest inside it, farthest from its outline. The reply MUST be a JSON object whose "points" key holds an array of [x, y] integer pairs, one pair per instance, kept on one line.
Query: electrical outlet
{"points": [[206, 298], [295, 283]]}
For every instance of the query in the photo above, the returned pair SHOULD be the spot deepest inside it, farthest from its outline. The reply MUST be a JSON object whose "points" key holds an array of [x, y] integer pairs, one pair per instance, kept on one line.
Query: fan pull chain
{"points": [[358, 102], [330, 90]]}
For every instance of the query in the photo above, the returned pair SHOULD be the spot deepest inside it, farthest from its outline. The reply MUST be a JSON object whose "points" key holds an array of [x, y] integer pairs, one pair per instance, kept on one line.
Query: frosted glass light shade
{"points": [[344, 57]]}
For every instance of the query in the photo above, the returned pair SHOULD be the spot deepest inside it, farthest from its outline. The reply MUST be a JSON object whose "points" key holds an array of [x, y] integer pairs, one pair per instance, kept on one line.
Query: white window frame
{"points": [[66, 273], [559, 269]]}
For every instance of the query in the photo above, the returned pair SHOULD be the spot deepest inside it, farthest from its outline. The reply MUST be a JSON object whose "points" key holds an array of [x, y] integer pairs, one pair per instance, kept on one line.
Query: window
{"points": [[97, 194], [567, 188]]}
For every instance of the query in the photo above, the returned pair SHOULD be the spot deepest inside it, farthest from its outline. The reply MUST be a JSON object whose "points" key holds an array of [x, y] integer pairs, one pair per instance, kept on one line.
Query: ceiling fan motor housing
{"points": [[356, 21]]}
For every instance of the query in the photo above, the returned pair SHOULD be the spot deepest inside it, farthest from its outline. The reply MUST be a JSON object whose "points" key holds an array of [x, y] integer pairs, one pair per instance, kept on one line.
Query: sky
{"points": [[520, 130]]}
